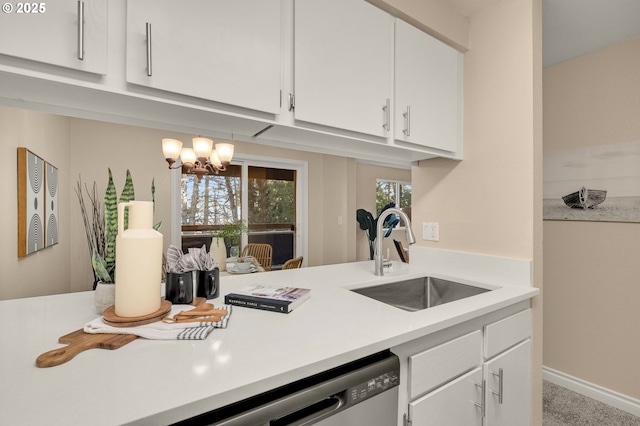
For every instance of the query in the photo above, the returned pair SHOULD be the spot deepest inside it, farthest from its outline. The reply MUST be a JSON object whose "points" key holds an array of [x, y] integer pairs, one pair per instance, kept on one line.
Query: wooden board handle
{"points": [[81, 342]]}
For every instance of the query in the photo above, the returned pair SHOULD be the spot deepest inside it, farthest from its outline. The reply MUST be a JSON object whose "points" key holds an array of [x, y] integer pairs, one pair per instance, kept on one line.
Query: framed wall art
{"points": [[37, 203], [597, 183], [51, 205]]}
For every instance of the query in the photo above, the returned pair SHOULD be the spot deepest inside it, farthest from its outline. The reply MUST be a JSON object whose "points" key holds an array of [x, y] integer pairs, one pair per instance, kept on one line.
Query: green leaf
{"points": [[367, 223], [100, 268], [110, 224], [153, 194], [390, 224], [127, 195]]}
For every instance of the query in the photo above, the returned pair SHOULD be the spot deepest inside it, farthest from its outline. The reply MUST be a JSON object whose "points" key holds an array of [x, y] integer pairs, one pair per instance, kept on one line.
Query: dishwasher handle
{"points": [[312, 413]]}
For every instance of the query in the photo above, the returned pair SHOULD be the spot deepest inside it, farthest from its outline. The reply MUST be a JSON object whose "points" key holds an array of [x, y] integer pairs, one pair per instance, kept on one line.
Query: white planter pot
{"points": [[105, 296]]}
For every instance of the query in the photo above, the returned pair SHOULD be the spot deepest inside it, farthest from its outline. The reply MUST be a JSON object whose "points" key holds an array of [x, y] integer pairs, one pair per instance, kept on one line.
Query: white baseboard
{"points": [[599, 393]]}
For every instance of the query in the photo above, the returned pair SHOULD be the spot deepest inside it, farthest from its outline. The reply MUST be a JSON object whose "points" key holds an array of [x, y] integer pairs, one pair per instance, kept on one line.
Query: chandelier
{"points": [[200, 160]]}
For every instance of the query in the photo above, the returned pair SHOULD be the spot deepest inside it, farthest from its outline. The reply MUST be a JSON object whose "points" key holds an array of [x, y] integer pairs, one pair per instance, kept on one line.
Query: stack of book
{"points": [[269, 298]]}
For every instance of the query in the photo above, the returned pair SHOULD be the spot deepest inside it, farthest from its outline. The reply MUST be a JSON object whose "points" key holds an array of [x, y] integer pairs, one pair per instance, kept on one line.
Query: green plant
{"points": [[231, 232], [370, 225], [101, 226]]}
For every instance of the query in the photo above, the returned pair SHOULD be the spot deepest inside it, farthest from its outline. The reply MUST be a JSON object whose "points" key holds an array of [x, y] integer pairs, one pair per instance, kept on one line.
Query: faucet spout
{"points": [[411, 238]]}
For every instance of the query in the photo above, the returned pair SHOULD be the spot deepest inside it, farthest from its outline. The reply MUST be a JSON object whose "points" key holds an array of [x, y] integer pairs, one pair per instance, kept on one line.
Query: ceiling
{"points": [[572, 28]]}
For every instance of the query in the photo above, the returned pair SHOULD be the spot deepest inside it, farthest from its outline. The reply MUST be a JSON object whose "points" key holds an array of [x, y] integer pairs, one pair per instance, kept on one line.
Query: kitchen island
{"points": [[161, 382]]}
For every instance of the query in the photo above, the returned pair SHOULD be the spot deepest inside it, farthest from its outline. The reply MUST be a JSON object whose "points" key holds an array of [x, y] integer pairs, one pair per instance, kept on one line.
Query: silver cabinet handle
{"points": [[149, 49], [482, 405], [500, 392], [81, 30], [386, 117], [292, 102], [407, 121]]}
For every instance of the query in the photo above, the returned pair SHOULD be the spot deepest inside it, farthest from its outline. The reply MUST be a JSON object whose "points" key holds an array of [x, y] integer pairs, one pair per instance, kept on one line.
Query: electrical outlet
{"points": [[431, 231]]}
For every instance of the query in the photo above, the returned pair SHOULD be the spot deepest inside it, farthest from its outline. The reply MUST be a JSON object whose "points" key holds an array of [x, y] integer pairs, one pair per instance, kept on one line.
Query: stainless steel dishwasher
{"points": [[363, 392]]}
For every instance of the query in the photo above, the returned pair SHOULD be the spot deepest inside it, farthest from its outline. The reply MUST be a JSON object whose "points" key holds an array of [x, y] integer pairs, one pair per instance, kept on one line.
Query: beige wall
{"points": [[87, 148], [330, 179], [338, 185], [97, 146], [491, 201], [440, 18], [367, 175], [591, 271], [47, 271]]}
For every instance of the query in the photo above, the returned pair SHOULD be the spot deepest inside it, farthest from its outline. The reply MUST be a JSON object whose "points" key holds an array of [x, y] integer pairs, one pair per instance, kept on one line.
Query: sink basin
{"points": [[420, 293]]}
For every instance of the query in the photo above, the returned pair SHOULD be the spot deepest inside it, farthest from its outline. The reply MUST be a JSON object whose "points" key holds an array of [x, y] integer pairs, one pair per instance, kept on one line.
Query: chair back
{"points": [[401, 252], [263, 253], [293, 263]]}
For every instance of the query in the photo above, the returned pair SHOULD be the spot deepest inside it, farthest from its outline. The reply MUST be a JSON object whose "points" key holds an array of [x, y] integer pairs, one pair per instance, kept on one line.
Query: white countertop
{"points": [[159, 382]]}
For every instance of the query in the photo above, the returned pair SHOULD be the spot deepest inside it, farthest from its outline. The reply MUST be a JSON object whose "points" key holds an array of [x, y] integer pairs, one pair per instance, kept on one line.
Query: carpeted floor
{"points": [[562, 407]]}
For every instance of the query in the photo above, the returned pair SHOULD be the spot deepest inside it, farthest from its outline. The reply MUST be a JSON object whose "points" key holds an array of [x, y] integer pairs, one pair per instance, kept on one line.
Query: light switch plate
{"points": [[431, 231]]}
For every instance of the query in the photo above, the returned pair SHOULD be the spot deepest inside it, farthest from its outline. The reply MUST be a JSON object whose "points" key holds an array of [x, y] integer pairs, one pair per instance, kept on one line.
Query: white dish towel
{"points": [[162, 331]]}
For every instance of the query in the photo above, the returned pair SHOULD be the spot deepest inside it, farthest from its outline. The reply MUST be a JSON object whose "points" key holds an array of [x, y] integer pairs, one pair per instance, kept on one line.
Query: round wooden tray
{"points": [[109, 316]]}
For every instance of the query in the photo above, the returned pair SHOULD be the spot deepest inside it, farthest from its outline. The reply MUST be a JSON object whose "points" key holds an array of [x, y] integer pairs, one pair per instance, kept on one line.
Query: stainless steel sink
{"points": [[420, 293]]}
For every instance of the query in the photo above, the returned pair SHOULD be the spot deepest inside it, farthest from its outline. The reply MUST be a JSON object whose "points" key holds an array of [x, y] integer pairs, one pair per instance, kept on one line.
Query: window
{"points": [[262, 194], [212, 201], [390, 191], [271, 210]]}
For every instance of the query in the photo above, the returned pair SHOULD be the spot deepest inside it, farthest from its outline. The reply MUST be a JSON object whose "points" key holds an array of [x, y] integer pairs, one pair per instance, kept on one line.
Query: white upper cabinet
{"points": [[343, 66], [428, 90], [66, 33], [219, 50]]}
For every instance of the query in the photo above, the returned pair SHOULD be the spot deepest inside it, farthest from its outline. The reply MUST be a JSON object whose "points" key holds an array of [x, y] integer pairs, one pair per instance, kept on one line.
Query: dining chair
{"points": [[293, 263], [404, 256], [262, 253]]}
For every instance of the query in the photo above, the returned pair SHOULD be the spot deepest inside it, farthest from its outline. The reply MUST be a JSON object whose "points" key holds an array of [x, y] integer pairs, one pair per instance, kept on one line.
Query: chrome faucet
{"points": [[411, 239]]}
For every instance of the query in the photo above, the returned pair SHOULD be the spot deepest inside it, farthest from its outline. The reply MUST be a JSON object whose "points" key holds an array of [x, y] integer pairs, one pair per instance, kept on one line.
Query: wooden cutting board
{"points": [[79, 341]]}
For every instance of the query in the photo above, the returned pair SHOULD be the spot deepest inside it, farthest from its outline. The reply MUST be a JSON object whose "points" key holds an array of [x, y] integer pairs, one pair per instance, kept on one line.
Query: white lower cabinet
{"points": [[455, 404], [508, 381], [477, 373]]}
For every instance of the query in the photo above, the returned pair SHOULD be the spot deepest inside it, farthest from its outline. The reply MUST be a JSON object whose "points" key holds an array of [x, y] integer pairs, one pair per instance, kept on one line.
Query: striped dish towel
{"points": [[162, 331]]}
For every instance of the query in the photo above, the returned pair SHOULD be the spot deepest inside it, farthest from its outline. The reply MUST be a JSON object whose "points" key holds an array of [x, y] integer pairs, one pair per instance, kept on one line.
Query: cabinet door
{"points": [[515, 367], [343, 65], [67, 33], [427, 90], [219, 50], [453, 404]]}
